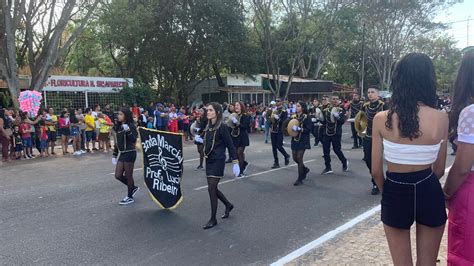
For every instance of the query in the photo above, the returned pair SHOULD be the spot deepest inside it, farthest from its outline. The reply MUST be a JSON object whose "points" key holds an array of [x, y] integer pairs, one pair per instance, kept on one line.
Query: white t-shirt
{"points": [[97, 124]]}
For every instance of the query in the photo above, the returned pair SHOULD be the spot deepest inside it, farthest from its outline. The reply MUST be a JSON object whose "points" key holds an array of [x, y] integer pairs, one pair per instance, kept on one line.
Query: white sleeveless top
{"points": [[466, 126], [410, 154]]}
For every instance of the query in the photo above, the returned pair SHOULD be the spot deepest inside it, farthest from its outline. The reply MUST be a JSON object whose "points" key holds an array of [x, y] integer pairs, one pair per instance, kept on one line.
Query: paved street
{"points": [[65, 211]]}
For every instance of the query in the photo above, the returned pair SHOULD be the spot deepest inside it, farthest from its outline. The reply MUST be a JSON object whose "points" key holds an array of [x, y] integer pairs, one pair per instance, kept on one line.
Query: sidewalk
{"points": [[364, 244]]}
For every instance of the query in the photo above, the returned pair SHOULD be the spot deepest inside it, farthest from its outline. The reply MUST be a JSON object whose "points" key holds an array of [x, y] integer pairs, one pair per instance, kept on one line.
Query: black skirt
{"points": [[128, 157], [241, 141], [215, 168], [302, 144]]}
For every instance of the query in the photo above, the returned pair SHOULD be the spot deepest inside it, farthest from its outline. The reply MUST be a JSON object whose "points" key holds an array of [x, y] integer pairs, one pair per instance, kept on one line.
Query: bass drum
{"points": [[285, 127]]}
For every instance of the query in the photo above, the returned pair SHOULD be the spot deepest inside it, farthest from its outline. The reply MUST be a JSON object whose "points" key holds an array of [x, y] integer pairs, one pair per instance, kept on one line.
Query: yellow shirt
{"points": [[54, 119], [90, 123], [104, 128]]}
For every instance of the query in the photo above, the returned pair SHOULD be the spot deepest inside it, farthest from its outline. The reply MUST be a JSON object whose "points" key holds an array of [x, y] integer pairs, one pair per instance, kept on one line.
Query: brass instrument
{"points": [[193, 128], [289, 128], [360, 124], [229, 121], [273, 121]]}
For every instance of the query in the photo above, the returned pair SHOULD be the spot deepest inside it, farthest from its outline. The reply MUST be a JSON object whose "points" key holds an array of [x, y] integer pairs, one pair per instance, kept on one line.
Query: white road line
{"points": [[331, 234], [256, 174], [185, 161]]}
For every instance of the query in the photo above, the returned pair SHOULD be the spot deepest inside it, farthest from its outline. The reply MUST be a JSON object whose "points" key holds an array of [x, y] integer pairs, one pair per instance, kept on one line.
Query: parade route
{"points": [[65, 211]]}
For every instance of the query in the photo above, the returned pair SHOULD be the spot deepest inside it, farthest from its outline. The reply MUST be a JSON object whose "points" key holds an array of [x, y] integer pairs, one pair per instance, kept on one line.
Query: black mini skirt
{"points": [[128, 157], [413, 197], [215, 168]]}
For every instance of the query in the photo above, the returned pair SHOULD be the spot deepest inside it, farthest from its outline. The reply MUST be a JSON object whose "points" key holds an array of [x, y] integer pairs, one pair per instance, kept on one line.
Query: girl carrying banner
{"points": [[216, 140], [125, 153]]}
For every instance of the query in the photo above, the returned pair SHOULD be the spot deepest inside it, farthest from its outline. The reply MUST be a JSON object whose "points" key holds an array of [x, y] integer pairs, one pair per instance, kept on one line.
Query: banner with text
{"points": [[162, 166]]}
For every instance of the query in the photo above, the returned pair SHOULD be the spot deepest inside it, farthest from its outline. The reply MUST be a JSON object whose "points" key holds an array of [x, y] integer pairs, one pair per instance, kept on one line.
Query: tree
{"points": [[390, 28], [34, 34]]}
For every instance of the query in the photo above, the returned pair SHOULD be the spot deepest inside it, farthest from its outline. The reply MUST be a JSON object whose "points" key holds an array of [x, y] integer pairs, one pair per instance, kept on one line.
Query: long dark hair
{"points": [[413, 81], [73, 117], [304, 107], [463, 90], [218, 109], [128, 119]]}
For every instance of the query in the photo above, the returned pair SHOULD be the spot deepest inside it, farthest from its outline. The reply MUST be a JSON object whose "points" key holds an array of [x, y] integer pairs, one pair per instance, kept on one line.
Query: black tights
{"points": [[298, 158], [241, 157], [214, 194], [200, 148], [124, 174]]}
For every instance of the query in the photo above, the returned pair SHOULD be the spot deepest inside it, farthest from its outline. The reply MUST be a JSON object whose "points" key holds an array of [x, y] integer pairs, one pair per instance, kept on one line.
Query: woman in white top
{"points": [[412, 137], [459, 186]]}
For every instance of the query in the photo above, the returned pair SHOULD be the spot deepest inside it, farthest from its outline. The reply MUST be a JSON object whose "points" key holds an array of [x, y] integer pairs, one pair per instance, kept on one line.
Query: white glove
{"points": [[296, 128], [276, 116], [125, 127], [236, 169], [234, 120], [114, 160], [197, 129], [198, 139], [314, 120], [336, 114]]}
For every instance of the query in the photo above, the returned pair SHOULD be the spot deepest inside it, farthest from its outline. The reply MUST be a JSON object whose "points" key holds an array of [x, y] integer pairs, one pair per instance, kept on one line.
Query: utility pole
{"points": [[467, 35], [362, 74]]}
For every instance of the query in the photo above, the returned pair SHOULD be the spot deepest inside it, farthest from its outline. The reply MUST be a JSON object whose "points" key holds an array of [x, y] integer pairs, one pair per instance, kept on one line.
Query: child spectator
{"points": [[18, 142], [149, 124], [104, 132], [26, 129], [90, 128], [43, 136], [64, 127]]}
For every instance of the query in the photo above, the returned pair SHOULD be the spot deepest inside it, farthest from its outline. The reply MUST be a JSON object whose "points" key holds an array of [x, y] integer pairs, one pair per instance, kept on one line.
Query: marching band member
{"points": [[301, 143], [334, 117], [239, 133], [216, 140], [315, 114], [354, 108], [201, 123], [371, 108], [125, 153], [276, 133]]}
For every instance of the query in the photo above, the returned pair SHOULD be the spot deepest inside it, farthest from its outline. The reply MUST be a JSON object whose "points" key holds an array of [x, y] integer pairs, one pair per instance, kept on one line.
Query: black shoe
{"points": [[355, 147], [327, 171], [275, 166], [345, 167], [375, 190], [227, 211], [306, 171], [453, 154], [287, 160], [228, 161], [199, 167], [298, 182], [209, 224], [315, 145]]}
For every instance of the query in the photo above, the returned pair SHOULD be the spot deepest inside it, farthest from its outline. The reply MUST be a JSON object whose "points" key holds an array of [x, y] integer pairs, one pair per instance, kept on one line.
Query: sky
{"points": [[457, 17]]}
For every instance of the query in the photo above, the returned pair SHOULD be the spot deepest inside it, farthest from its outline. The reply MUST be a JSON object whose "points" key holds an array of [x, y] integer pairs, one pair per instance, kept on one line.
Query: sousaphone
{"points": [[289, 128]]}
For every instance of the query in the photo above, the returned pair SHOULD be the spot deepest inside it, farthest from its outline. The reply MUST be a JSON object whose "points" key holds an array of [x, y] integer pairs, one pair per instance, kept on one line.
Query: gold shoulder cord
{"points": [[206, 155], [301, 121], [236, 131]]}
